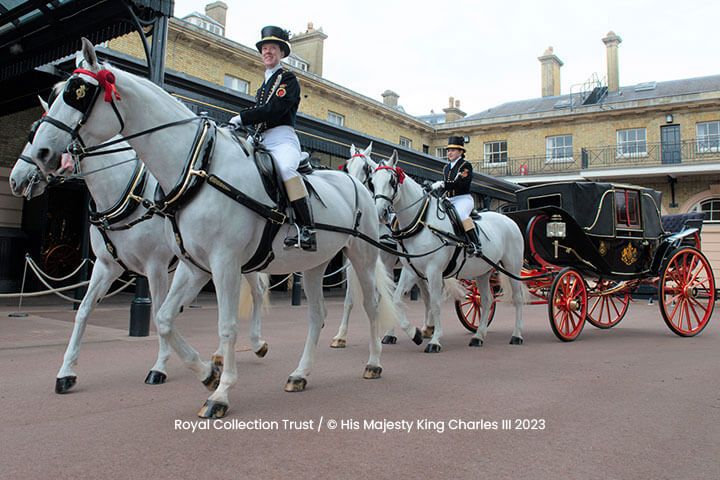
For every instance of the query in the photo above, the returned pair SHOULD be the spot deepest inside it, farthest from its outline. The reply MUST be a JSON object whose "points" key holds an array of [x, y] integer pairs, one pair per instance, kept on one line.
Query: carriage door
{"points": [[670, 143]]}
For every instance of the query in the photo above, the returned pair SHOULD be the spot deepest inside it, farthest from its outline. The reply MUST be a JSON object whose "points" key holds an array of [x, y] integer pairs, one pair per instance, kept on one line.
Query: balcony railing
{"points": [[688, 152]]}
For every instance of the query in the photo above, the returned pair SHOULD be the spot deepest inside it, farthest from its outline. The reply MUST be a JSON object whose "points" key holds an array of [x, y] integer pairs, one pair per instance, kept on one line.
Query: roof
{"points": [[642, 91], [37, 32], [202, 16]]}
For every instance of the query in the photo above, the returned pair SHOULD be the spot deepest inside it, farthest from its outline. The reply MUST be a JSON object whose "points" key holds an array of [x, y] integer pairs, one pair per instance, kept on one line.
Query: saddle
{"points": [[455, 219]]}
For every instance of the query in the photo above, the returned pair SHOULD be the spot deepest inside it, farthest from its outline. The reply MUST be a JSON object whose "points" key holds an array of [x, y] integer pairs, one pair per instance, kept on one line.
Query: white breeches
{"points": [[463, 204], [284, 144]]}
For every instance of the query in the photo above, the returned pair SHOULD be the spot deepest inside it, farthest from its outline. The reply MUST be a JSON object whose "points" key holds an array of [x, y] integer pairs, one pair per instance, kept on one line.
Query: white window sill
{"points": [[559, 160]]}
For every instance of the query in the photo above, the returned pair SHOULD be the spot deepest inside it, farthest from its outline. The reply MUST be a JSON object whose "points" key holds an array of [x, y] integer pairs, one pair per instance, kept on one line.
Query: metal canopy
{"points": [[36, 32]]}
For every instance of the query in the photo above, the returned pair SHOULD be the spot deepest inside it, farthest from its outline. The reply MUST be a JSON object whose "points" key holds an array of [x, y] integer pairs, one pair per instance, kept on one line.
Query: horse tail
{"points": [[387, 312], [453, 290], [246, 303], [507, 294]]}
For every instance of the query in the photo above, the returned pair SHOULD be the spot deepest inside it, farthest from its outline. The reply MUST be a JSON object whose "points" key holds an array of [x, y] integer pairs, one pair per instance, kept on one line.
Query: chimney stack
{"points": [[390, 98], [453, 112], [613, 71], [309, 46], [550, 73], [218, 12]]}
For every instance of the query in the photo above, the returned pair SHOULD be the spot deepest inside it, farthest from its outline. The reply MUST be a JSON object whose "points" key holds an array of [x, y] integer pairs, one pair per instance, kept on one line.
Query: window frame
{"points": [[405, 142], [714, 202], [339, 116], [714, 138], [551, 151], [233, 79], [627, 213], [487, 156], [624, 144]]}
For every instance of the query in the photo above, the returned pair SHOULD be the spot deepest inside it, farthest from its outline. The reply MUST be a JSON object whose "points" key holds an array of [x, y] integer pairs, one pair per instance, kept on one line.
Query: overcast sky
{"points": [[484, 53]]}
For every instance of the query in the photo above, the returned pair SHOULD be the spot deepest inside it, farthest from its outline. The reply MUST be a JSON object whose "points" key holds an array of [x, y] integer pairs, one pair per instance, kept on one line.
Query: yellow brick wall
{"points": [[193, 54]]}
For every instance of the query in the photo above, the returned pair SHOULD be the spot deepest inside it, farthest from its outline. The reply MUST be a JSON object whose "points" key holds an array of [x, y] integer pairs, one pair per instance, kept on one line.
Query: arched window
{"points": [[710, 207]]}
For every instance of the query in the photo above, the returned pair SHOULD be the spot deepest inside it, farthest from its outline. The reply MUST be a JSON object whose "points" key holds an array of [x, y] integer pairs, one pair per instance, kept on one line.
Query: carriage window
{"points": [[711, 209], [708, 137], [631, 143], [496, 152], [545, 201], [627, 209]]}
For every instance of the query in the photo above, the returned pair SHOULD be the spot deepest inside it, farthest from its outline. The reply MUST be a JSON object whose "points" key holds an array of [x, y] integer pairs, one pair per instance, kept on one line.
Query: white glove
{"points": [[236, 121], [438, 184]]}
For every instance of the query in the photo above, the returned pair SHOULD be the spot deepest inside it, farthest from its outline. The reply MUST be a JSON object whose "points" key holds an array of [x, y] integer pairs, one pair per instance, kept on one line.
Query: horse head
{"points": [[360, 165], [386, 180], [75, 117]]}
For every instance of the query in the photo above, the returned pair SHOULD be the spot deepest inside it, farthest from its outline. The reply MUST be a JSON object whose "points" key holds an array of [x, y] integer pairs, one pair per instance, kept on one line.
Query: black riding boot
{"points": [[473, 248], [304, 221]]}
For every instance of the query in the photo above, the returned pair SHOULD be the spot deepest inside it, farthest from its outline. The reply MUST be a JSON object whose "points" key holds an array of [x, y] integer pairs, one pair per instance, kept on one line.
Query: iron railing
{"points": [[687, 152]]}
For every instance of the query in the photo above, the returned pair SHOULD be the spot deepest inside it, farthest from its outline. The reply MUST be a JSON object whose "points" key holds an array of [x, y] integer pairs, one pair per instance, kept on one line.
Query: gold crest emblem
{"points": [[602, 248], [80, 92], [629, 254]]}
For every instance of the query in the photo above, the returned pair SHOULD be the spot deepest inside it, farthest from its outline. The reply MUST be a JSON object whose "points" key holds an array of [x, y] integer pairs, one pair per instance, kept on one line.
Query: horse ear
{"points": [[88, 52], [353, 150], [44, 104], [368, 150], [393, 158]]}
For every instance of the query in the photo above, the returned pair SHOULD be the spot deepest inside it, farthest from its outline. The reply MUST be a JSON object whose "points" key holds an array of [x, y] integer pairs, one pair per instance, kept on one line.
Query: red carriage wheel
{"points": [[605, 310], [470, 309], [687, 292], [567, 306]]}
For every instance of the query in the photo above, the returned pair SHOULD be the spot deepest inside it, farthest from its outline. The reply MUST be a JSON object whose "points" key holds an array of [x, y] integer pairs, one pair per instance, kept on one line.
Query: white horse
{"points": [[218, 233], [142, 248], [361, 165], [502, 243]]}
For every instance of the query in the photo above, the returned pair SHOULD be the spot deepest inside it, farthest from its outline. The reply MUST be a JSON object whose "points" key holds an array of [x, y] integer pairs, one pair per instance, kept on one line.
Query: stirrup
{"points": [[291, 241], [473, 250]]}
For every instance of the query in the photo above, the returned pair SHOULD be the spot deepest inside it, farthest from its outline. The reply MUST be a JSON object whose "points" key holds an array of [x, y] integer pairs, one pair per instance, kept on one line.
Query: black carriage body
{"points": [[613, 231]]}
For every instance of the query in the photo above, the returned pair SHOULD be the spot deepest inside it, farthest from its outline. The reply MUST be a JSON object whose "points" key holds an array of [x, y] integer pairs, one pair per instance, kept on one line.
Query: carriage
{"points": [[590, 245]]}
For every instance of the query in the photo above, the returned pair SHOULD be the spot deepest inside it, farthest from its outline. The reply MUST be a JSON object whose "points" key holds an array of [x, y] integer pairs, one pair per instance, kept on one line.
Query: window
{"points": [[559, 148], [441, 152], [708, 137], [711, 209], [237, 84], [296, 63], [631, 143], [627, 209], [405, 142], [336, 118], [496, 152]]}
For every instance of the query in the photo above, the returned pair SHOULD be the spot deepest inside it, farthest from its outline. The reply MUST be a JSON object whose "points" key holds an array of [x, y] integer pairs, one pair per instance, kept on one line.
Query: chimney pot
{"points": [[611, 42], [218, 12], [550, 73]]}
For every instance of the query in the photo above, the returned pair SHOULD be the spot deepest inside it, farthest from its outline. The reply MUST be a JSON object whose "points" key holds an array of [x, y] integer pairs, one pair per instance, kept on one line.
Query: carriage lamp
{"points": [[556, 228]]}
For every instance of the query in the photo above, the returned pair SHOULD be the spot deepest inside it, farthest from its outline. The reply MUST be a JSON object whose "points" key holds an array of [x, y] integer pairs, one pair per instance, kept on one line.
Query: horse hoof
{"points": [[64, 384], [372, 371], [418, 337], [433, 348], [516, 341], [339, 343], [476, 342], [155, 378], [218, 360], [427, 332], [213, 380], [389, 340], [296, 384], [263, 350], [212, 410]]}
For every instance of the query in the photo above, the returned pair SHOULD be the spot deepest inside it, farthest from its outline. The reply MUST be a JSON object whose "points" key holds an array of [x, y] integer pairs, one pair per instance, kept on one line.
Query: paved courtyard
{"points": [[632, 402]]}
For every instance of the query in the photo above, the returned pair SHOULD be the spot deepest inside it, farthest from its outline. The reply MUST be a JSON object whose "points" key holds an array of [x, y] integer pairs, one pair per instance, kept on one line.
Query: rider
{"points": [[276, 105], [457, 176]]}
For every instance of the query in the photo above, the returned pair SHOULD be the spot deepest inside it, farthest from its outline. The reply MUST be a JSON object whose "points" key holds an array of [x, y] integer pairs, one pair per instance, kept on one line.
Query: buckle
{"points": [[277, 212]]}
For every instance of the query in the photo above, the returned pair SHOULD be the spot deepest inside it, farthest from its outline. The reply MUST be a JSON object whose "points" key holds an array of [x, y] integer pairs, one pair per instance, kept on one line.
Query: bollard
{"points": [[140, 309], [296, 290], [414, 292]]}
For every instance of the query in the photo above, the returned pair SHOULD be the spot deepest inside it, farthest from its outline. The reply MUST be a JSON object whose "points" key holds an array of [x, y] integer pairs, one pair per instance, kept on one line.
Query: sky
{"points": [[484, 53]]}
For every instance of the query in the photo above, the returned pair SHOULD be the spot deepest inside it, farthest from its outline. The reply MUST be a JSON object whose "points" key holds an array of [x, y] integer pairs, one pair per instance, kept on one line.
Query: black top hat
{"points": [[456, 142], [275, 35]]}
